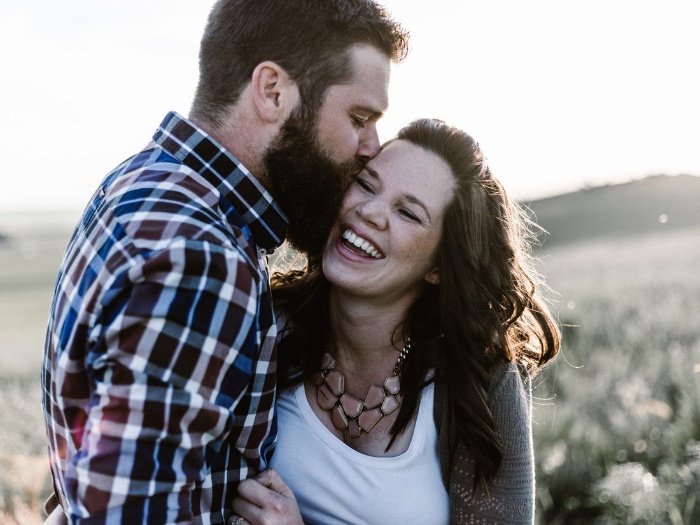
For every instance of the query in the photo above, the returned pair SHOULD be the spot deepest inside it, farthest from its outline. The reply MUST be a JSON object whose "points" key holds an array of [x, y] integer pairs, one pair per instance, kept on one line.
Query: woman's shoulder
{"points": [[510, 382]]}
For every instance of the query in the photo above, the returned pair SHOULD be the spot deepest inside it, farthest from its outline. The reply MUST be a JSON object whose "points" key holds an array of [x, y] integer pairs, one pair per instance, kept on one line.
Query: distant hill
{"points": [[655, 204]]}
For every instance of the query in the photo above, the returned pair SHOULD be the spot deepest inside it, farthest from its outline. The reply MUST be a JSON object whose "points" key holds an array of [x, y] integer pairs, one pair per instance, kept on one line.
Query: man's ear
{"points": [[275, 94], [433, 276]]}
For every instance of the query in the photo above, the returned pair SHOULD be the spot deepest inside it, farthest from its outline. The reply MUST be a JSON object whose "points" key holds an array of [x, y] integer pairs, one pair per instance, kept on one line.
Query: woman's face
{"points": [[385, 242]]}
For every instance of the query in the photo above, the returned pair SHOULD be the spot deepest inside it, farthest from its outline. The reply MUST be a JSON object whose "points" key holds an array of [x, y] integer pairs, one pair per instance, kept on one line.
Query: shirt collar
{"points": [[241, 193]]}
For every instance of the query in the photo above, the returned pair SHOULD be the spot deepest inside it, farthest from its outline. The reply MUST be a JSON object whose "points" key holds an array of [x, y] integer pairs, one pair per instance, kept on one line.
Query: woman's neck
{"points": [[365, 336]]}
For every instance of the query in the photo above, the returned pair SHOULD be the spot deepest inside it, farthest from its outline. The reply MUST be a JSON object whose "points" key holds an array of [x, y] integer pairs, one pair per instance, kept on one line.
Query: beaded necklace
{"points": [[349, 412]]}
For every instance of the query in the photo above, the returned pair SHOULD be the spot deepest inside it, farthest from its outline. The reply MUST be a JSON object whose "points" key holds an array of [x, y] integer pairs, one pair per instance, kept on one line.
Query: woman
{"points": [[408, 350]]}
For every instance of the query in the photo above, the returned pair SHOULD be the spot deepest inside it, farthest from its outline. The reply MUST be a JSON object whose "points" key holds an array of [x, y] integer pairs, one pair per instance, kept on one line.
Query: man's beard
{"points": [[307, 184]]}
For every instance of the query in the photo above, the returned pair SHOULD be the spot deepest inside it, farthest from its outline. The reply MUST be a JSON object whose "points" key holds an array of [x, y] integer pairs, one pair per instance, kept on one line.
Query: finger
{"points": [[242, 507], [254, 515], [271, 479], [254, 492], [279, 509]]}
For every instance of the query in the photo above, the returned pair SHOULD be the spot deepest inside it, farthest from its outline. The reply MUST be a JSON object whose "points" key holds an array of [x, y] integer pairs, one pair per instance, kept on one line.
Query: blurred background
{"points": [[589, 114]]}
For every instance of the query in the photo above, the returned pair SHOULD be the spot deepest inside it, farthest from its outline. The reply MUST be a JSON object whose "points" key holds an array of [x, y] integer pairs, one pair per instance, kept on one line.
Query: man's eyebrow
{"points": [[371, 112], [408, 196]]}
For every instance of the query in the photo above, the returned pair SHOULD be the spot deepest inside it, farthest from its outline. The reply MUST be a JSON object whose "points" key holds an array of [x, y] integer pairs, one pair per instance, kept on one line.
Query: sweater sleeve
{"points": [[510, 498]]}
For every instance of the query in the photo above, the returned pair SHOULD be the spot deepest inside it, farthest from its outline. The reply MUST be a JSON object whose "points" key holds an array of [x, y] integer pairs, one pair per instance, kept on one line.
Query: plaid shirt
{"points": [[158, 372]]}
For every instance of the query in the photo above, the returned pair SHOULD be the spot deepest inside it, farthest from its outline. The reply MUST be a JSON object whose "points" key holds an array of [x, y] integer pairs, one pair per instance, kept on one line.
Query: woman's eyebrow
{"points": [[415, 200], [372, 172]]}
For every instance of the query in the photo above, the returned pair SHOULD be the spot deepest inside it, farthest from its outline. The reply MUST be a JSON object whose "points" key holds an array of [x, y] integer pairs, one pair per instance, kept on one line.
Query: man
{"points": [[159, 364]]}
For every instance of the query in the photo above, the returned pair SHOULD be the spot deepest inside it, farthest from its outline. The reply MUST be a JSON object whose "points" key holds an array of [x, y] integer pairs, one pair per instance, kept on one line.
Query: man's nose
{"points": [[369, 142]]}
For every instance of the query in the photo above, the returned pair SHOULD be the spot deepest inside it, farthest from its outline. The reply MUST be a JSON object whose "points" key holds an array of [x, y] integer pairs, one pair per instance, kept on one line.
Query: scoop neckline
{"points": [[336, 444]]}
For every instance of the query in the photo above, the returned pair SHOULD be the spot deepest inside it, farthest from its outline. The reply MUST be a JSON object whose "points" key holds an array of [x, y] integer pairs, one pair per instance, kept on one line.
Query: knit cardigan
{"points": [[510, 497]]}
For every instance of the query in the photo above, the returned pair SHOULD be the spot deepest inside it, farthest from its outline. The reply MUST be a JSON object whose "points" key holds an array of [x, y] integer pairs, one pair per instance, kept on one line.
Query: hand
{"points": [[267, 500]]}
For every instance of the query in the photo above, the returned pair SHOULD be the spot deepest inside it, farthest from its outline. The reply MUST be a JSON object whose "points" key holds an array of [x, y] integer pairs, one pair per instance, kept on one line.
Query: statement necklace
{"points": [[350, 413]]}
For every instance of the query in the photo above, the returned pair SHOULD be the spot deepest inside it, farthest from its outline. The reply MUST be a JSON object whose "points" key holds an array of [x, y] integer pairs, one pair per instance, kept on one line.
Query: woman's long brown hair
{"points": [[487, 307]]}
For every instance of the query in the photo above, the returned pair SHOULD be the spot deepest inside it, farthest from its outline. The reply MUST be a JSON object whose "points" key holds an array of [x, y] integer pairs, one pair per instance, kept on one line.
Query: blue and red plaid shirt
{"points": [[159, 365]]}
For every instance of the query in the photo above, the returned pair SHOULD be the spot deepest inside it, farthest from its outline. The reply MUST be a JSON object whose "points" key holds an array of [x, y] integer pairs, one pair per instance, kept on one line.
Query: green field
{"points": [[617, 416], [617, 425], [29, 258]]}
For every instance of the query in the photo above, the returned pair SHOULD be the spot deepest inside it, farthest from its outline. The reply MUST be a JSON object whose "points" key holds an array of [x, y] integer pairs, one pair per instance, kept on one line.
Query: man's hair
{"points": [[310, 39]]}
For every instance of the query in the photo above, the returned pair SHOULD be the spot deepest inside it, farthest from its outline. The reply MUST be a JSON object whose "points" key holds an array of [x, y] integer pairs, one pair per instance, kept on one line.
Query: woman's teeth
{"points": [[362, 244]]}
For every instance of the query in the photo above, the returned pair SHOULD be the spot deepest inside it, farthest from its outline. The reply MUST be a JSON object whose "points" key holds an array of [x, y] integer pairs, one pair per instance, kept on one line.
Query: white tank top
{"points": [[335, 484]]}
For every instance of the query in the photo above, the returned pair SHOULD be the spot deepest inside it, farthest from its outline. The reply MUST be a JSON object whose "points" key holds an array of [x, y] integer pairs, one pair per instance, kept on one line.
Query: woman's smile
{"points": [[360, 245]]}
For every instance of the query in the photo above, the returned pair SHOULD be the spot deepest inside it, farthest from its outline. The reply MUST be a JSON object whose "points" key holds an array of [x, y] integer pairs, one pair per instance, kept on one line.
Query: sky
{"points": [[560, 94]]}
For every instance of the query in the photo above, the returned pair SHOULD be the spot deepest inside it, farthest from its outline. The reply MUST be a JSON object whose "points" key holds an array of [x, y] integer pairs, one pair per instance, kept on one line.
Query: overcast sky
{"points": [[560, 94]]}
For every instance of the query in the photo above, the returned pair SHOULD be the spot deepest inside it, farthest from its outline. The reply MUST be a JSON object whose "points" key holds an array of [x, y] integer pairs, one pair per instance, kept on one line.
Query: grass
{"points": [[29, 260], [617, 416], [618, 419]]}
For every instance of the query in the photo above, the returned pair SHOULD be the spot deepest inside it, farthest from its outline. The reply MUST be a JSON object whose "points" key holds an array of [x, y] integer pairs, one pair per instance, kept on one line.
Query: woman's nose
{"points": [[373, 211]]}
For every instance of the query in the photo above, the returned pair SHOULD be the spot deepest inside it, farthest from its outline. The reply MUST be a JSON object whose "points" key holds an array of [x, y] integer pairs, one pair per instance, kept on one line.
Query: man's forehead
{"points": [[370, 80]]}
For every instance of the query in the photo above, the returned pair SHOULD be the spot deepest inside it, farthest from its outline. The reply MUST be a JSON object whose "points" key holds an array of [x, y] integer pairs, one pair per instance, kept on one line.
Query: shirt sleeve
{"points": [[172, 357]]}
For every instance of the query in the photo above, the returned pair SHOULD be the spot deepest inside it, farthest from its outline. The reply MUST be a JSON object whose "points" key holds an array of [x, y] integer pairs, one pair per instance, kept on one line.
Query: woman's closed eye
{"points": [[364, 184], [409, 215]]}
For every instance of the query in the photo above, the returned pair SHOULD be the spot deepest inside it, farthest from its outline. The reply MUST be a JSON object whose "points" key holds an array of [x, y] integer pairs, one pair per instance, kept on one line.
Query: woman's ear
{"points": [[433, 276], [274, 92]]}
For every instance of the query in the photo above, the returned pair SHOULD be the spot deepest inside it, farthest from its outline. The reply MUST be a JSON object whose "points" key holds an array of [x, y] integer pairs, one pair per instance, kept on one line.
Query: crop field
{"points": [[616, 418], [29, 259]]}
